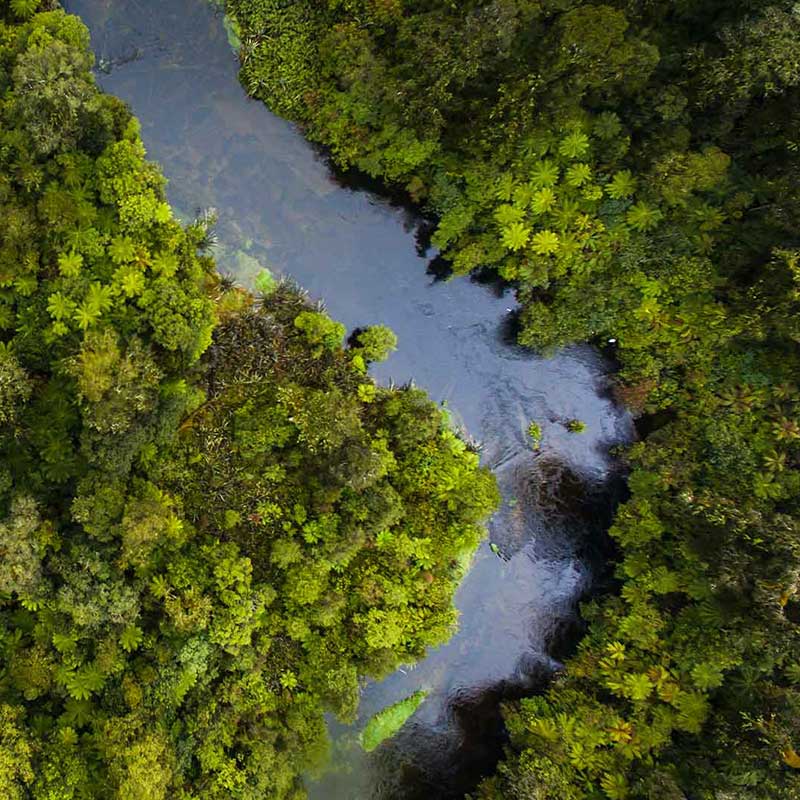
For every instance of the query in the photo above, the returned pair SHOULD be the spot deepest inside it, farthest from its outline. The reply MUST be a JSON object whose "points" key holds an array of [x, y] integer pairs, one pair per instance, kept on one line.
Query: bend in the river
{"points": [[279, 206]]}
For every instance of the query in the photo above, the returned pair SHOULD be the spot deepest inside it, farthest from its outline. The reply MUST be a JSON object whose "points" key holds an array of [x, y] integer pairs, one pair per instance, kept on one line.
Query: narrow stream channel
{"points": [[280, 206]]}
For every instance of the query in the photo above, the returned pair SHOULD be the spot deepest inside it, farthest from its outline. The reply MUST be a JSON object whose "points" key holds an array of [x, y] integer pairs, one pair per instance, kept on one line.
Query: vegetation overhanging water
{"points": [[279, 205], [216, 522]]}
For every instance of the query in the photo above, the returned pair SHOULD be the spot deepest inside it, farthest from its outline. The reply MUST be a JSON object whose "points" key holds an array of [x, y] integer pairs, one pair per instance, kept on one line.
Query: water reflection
{"points": [[280, 206]]}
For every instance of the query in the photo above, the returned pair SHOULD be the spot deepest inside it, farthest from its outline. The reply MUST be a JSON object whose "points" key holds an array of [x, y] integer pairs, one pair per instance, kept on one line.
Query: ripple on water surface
{"points": [[280, 206]]}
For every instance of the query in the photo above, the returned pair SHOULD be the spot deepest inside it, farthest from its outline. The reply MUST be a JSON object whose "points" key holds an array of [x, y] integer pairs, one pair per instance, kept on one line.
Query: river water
{"points": [[280, 206]]}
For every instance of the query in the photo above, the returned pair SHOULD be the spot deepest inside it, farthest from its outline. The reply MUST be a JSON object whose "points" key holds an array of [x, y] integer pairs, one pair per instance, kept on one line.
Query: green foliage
{"points": [[387, 722], [15, 387], [24, 9], [265, 283], [515, 236], [633, 169], [321, 332], [376, 343], [212, 522], [535, 434]]}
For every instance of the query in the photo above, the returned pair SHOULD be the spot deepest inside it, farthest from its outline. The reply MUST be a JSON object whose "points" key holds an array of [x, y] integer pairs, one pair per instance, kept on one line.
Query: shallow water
{"points": [[280, 206]]}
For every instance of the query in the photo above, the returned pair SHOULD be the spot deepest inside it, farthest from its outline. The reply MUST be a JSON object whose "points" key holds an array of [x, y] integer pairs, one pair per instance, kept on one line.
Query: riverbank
{"points": [[279, 204], [632, 169]]}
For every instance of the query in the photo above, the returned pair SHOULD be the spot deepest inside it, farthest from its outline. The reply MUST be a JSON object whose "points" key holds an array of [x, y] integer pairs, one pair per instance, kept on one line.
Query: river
{"points": [[280, 206]]}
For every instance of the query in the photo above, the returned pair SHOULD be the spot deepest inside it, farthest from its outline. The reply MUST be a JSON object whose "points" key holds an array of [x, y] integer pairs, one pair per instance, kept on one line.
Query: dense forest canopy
{"points": [[633, 168], [214, 523]]}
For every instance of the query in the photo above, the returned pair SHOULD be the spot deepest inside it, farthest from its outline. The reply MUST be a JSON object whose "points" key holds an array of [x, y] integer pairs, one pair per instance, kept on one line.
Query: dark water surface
{"points": [[280, 206]]}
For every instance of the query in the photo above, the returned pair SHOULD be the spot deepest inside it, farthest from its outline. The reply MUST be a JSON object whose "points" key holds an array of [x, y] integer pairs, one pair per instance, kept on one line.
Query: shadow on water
{"points": [[280, 206], [515, 630]]}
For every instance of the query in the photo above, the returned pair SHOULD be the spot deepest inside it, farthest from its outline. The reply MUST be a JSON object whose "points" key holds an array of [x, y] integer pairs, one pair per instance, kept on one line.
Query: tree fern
{"points": [[69, 264], [543, 201], [515, 236], [622, 185], [578, 174], [507, 214], [545, 173], [574, 146], [643, 218], [60, 307], [83, 683], [545, 243]]}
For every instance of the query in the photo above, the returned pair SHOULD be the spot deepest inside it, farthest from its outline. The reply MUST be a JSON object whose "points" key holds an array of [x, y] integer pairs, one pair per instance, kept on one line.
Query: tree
{"points": [[192, 480]]}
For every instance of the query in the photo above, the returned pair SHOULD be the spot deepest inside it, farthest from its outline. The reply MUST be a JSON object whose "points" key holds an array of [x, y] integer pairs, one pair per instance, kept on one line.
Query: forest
{"points": [[215, 524], [632, 169]]}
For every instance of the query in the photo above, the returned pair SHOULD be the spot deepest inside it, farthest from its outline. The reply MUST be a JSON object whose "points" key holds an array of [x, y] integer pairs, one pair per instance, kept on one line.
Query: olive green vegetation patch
{"points": [[231, 26], [387, 723], [233, 32]]}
